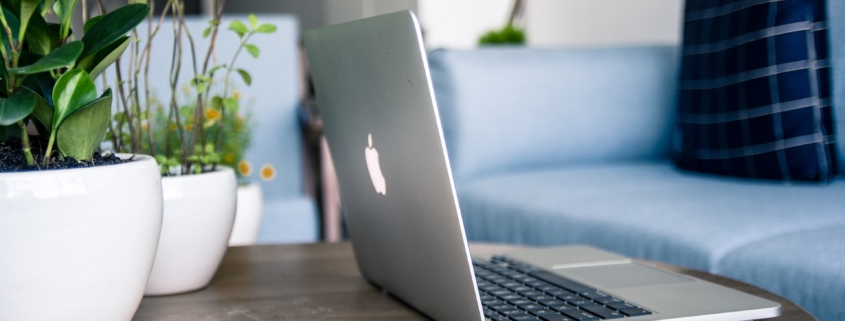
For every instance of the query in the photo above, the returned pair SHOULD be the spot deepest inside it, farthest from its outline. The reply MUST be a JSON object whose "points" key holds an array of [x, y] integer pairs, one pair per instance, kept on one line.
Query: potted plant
{"points": [[187, 138], [78, 229]]}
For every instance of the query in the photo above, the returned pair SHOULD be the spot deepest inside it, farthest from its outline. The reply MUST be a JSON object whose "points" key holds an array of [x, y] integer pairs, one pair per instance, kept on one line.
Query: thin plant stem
{"points": [[27, 149]]}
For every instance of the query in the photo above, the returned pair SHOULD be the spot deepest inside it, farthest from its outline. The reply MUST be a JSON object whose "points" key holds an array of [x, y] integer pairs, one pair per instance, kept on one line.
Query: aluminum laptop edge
{"points": [[382, 126]]}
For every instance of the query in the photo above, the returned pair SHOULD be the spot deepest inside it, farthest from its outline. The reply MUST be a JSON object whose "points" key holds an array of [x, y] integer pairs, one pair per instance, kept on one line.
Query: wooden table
{"points": [[321, 282]]}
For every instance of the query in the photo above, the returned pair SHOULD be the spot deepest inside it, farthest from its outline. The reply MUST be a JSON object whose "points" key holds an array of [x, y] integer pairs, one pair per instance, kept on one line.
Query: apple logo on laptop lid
{"points": [[374, 167]]}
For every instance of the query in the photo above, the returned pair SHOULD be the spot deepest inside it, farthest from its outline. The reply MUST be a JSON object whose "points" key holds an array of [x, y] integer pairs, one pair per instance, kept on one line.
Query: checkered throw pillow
{"points": [[755, 90]]}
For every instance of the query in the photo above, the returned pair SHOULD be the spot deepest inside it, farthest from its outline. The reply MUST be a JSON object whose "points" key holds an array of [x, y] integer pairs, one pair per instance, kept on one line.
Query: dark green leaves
{"points": [[43, 113], [28, 7], [239, 28], [91, 22], [16, 107], [105, 57], [64, 10], [81, 133], [245, 76], [61, 57], [113, 26], [252, 50], [73, 90], [38, 36]]}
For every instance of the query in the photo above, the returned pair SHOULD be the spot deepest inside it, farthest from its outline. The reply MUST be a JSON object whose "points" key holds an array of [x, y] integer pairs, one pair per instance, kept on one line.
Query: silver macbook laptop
{"points": [[383, 129]]}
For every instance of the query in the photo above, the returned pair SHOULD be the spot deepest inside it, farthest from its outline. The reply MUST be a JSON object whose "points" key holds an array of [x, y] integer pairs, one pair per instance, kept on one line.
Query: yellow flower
{"points": [[186, 90], [237, 94], [145, 125], [268, 172], [245, 168], [212, 114], [229, 158], [173, 127], [189, 127]]}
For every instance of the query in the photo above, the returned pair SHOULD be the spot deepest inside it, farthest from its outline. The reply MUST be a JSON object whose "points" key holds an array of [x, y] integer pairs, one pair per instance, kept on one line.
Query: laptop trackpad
{"points": [[617, 276]]}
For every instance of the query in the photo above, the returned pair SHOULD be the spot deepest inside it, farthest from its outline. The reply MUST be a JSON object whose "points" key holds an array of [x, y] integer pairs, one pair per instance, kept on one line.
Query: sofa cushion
{"points": [[807, 268], [510, 108], [755, 90], [644, 209], [836, 35]]}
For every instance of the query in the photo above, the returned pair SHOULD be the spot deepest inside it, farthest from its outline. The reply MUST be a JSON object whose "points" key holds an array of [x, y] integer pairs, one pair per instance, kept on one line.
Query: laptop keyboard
{"points": [[512, 290]]}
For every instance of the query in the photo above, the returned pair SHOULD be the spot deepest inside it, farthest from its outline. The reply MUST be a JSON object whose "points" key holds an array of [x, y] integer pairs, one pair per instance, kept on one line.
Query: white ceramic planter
{"points": [[248, 216], [78, 244], [199, 211]]}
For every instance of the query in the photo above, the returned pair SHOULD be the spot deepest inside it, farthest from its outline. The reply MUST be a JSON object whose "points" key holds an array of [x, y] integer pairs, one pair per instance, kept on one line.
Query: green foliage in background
{"points": [[47, 77], [509, 35]]}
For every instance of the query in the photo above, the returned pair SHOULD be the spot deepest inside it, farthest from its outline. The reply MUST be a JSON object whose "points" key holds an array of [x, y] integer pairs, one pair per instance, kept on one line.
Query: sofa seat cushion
{"points": [[807, 268], [644, 209]]}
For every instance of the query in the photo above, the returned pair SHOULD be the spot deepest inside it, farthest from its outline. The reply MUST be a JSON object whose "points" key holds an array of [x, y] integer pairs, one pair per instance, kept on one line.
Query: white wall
{"points": [[459, 24]]}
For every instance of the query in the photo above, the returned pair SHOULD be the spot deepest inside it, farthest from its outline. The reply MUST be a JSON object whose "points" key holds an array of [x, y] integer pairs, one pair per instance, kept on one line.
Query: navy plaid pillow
{"points": [[755, 90]]}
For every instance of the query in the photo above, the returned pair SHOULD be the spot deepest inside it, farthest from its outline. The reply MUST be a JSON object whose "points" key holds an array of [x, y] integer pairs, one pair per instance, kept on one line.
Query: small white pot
{"points": [[199, 211], [248, 216], [78, 244]]}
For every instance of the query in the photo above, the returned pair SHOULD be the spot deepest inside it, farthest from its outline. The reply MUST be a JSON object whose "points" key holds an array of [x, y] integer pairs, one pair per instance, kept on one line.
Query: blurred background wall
{"points": [[459, 24]]}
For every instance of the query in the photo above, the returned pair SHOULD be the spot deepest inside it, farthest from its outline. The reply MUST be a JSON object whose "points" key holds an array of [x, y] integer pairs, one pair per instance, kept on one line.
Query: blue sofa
{"points": [[565, 146]]}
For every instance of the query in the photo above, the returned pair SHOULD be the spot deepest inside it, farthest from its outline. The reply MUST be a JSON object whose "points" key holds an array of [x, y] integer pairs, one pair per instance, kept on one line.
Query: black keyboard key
{"points": [[490, 288], [520, 288], [508, 297], [555, 317], [561, 282], [607, 300], [491, 302], [540, 297], [497, 318], [556, 304], [601, 311], [522, 318], [561, 308], [529, 292], [519, 302], [501, 307], [594, 295], [511, 284], [499, 292], [547, 288], [621, 306], [530, 307], [512, 313], [579, 315], [576, 301], [551, 302], [634, 312], [535, 283], [541, 313]]}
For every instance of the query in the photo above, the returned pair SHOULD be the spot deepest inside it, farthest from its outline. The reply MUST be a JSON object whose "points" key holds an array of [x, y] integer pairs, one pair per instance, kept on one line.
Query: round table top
{"points": [[321, 281]]}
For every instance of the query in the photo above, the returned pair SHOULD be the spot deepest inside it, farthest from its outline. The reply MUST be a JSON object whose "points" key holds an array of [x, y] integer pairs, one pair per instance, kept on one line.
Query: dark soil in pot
{"points": [[12, 158]]}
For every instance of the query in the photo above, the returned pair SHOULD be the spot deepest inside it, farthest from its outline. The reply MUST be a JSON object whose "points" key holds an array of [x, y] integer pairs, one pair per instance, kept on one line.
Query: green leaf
{"points": [[83, 131], [266, 28], [16, 107], [38, 36], [245, 76], [61, 57], [106, 57], [160, 159], [206, 32], [64, 10], [73, 90], [253, 21], [215, 69], [217, 102], [28, 7], [113, 26], [45, 7], [239, 28], [42, 112], [91, 22], [231, 104], [11, 5], [253, 50], [14, 24]]}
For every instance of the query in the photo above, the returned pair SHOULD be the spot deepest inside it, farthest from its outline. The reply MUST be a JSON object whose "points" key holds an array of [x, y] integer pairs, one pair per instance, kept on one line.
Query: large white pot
{"points": [[248, 216], [78, 244], [199, 211]]}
